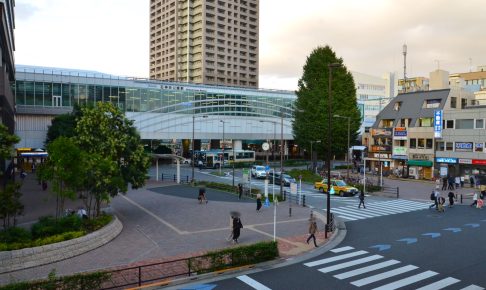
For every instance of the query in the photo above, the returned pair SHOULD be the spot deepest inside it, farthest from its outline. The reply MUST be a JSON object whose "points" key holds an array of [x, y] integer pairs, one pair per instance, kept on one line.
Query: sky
{"points": [[112, 36]]}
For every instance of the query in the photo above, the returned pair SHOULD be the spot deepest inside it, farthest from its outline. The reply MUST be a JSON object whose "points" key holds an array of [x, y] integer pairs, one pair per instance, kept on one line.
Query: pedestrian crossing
{"points": [[377, 209], [382, 273]]}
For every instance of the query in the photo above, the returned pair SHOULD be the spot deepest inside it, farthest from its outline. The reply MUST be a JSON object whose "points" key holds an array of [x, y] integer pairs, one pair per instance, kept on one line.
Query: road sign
{"points": [[267, 202], [267, 168]]}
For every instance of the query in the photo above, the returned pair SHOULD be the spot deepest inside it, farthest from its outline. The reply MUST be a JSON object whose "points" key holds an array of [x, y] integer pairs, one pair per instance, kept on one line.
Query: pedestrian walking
{"points": [[361, 200], [440, 204], [237, 226], [444, 183], [435, 197], [471, 181], [475, 199], [202, 195], [451, 198], [259, 201], [462, 181], [457, 181], [450, 182], [240, 190], [200, 165], [312, 230]]}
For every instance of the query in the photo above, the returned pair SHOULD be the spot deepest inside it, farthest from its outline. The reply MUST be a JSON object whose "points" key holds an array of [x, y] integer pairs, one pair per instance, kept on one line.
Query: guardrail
{"points": [[173, 177]]}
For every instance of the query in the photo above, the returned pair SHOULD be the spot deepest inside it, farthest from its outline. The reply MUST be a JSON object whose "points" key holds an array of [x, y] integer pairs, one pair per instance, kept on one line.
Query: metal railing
{"points": [[173, 177]]}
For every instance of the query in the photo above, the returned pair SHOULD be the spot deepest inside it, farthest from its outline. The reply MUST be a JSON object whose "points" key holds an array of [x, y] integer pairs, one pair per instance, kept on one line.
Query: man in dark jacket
{"points": [[361, 199]]}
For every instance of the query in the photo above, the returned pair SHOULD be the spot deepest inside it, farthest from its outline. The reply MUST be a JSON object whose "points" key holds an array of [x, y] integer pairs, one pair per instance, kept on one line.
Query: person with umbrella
{"points": [[237, 226]]}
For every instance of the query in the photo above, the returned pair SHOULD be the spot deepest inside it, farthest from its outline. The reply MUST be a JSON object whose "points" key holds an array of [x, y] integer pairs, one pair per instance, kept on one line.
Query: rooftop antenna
{"points": [[438, 64], [470, 64], [404, 68]]}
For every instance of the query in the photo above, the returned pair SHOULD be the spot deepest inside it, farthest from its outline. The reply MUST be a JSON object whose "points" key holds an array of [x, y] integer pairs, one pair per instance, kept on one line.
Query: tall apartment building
{"points": [[205, 41]]}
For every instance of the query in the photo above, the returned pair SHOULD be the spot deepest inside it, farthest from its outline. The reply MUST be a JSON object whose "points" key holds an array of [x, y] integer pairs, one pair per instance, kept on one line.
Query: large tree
{"points": [[115, 152], [66, 169], [311, 116], [63, 125]]}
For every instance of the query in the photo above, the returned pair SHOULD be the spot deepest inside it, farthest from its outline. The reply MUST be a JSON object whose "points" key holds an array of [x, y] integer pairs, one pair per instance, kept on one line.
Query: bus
{"points": [[214, 158]]}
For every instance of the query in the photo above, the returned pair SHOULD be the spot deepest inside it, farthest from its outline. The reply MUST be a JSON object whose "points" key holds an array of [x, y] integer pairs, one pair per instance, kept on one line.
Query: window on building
{"points": [[420, 143], [426, 122], [463, 103], [453, 102], [449, 124], [428, 143], [387, 123], [440, 146], [432, 103], [465, 124], [413, 143], [479, 123], [397, 106], [449, 146]]}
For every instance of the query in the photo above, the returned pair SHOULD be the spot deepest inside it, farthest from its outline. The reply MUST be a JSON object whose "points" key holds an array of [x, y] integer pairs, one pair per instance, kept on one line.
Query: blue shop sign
{"points": [[438, 123], [445, 160]]}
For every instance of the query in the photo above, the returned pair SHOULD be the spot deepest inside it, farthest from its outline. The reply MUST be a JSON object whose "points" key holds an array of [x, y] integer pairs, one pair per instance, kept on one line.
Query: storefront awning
{"points": [[424, 163]]}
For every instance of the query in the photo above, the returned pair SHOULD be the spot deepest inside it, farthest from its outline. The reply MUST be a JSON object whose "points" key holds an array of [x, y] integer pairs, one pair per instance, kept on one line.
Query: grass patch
{"points": [[307, 175]]}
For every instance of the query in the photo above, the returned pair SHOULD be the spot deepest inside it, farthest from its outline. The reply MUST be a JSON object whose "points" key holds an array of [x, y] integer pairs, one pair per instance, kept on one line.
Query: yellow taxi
{"points": [[340, 187]]}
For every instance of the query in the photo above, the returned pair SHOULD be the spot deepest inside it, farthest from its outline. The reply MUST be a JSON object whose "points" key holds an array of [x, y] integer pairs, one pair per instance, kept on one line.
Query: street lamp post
{"points": [[192, 157], [349, 136], [222, 148], [281, 152], [312, 154], [329, 141]]}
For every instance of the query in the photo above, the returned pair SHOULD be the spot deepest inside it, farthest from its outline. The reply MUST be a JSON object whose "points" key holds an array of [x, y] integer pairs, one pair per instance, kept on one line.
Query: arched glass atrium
{"points": [[161, 110]]}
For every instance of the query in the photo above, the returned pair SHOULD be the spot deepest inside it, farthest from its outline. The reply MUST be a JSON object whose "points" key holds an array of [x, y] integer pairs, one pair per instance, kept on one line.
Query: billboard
{"points": [[397, 150], [438, 124], [386, 132], [464, 146], [400, 133]]}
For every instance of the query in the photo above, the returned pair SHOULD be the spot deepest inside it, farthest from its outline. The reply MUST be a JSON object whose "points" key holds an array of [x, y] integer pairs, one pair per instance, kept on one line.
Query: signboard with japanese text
{"points": [[397, 150], [478, 162], [464, 161], [446, 160], [464, 146], [479, 147], [381, 148], [385, 132], [438, 124], [400, 133]]}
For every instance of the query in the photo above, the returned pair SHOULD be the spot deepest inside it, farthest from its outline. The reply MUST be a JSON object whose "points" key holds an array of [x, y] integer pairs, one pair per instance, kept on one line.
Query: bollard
{"points": [[187, 178], [175, 178], [398, 192], [303, 200], [162, 177], [461, 198], [290, 211]]}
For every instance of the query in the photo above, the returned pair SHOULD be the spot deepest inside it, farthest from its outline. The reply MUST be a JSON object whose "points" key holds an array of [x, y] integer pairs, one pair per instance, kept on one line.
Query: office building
{"points": [[7, 71], [205, 41]]}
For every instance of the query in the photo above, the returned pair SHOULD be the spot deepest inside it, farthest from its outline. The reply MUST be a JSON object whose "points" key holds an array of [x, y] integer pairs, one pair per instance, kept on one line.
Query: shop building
{"points": [[402, 139]]}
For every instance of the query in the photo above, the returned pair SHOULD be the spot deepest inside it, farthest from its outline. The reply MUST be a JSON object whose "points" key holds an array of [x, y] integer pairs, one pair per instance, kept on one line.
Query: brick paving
{"points": [[163, 222]]}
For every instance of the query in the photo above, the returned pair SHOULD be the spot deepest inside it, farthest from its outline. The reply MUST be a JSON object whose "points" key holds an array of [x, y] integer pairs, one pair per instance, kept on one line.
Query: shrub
{"points": [[95, 224], [15, 235], [48, 226], [234, 257], [307, 175]]}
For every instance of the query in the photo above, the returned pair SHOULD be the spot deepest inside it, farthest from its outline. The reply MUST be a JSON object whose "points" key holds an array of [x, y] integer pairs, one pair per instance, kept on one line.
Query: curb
{"points": [[32, 257]]}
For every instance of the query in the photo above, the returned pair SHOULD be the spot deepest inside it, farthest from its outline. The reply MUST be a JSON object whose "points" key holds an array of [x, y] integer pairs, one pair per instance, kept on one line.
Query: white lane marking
{"points": [[350, 264], [336, 258], [252, 283], [351, 213], [473, 287], [366, 269], [153, 215], [440, 284], [342, 249], [348, 216], [356, 211], [378, 277], [407, 281]]}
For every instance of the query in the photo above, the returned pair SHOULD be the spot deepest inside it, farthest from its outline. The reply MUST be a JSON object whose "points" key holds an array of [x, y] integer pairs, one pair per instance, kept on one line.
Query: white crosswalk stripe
{"points": [[377, 209], [386, 275]]}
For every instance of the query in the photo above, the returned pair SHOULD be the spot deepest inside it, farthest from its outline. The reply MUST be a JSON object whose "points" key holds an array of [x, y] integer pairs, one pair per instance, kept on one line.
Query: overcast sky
{"points": [[112, 36]]}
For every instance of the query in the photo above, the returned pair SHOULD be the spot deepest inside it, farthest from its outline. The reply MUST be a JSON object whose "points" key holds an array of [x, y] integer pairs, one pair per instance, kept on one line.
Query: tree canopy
{"points": [[115, 153], [311, 115]]}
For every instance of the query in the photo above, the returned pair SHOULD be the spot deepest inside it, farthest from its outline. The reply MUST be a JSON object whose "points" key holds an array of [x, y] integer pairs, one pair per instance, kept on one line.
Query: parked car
{"points": [[184, 161], [340, 187], [285, 179], [258, 171]]}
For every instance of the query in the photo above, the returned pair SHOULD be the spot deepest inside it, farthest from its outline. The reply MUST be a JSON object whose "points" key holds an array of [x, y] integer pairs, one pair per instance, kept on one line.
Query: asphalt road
{"points": [[407, 251]]}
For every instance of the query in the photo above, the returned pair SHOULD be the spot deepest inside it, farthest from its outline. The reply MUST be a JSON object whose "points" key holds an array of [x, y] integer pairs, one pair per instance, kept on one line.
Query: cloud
{"points": [[24, 10]]}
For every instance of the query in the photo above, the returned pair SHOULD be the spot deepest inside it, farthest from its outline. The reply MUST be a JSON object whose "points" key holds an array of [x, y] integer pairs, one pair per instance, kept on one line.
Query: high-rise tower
{"points": [[205, 41]]}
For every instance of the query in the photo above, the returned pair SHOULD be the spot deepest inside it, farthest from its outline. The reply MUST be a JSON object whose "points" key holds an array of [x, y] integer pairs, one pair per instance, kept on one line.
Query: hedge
{"points": [[75, 282], [234, 257]]}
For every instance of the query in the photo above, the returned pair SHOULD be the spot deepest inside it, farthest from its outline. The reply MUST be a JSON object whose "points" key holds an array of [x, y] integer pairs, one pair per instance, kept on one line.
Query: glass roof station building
{"points": [[160, 110]]}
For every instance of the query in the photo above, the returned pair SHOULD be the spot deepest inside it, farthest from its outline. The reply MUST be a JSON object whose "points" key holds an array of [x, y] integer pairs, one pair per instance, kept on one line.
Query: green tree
{"points": [[63, 125], [65, 168], [7, 142], [116, 154], [311, 117], [10, 205]]}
